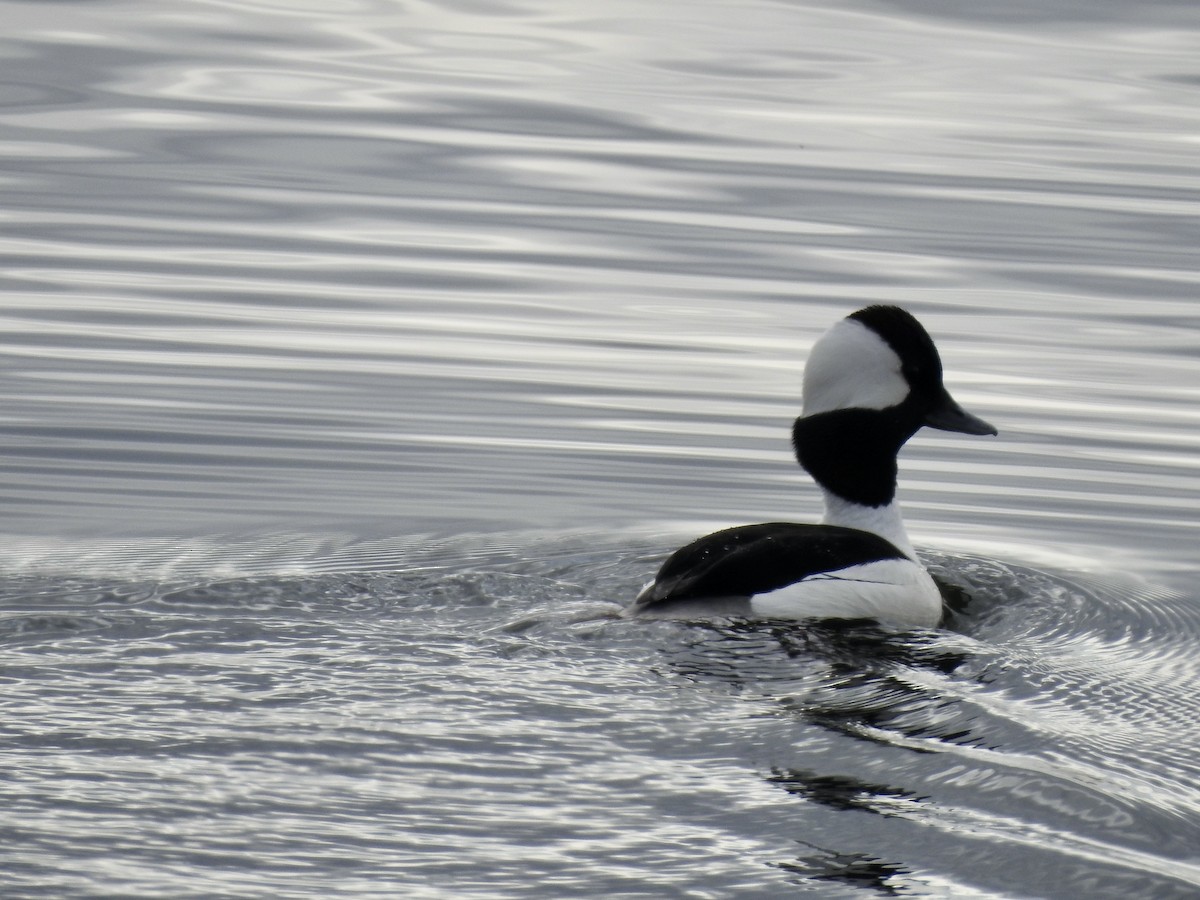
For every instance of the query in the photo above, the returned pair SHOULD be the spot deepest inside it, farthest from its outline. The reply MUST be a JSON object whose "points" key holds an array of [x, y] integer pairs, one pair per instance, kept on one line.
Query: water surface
{"points": [[358, 360]]}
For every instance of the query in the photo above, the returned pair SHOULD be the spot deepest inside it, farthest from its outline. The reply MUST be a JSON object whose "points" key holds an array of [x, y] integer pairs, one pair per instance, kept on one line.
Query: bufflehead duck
{"points": [[871, 382]]}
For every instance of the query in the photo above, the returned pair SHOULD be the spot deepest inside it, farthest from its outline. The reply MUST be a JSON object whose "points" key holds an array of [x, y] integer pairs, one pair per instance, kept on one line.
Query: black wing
{"points": [[755, 559]]}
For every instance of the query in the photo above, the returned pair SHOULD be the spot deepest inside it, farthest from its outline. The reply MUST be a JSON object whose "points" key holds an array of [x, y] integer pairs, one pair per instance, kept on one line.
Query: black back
{"points": [[756, 559]]}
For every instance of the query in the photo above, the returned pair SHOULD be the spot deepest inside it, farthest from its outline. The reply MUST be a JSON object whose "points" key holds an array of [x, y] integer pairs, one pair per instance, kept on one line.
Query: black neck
{"points": [[852, 452]]}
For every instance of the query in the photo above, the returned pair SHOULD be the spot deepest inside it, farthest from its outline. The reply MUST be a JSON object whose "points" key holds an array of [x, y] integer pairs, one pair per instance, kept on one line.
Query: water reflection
{"points": [[858, 870], [839, 791]]}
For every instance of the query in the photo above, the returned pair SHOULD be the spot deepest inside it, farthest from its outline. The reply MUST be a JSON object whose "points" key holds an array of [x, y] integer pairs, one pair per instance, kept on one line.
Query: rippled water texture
{"points": [[489, 729], [359, 358]]}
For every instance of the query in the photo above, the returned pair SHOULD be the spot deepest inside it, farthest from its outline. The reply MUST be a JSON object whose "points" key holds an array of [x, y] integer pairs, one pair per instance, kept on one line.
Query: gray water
{"points": [[359, 359]]}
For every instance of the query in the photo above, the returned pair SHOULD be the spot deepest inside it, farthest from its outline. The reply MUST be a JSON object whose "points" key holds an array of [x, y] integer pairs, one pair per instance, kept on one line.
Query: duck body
{"points": [[785, 570], [871, 382]]}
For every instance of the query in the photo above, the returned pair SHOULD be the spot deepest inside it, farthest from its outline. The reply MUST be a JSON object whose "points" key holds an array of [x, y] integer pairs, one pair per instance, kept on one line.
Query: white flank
{"points": [[852, 367], [890, 590]]}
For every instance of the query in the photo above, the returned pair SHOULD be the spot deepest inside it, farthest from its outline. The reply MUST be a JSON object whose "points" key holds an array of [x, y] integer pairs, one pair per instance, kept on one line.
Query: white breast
{"points": [[890, 590]]}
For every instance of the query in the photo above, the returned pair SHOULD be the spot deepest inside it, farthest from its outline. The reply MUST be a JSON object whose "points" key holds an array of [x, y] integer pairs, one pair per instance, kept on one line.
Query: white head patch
{"points": [[852, 367]]}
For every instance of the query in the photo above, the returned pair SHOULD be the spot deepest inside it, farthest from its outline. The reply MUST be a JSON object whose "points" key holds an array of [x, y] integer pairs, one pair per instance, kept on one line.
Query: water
{"points": [[360, 359]]}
